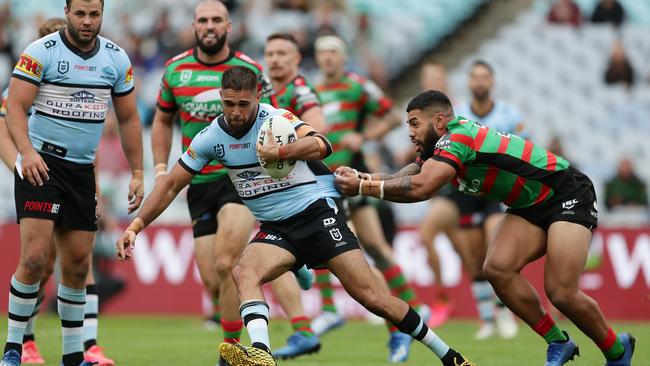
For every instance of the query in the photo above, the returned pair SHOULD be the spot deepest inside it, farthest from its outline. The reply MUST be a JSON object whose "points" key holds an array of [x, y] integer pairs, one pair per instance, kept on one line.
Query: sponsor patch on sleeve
{"points": [[129, 75], [30, 66]]}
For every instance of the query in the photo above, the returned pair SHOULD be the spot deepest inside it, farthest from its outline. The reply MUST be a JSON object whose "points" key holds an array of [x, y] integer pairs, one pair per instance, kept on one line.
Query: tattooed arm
{"points": [[403, 186]]}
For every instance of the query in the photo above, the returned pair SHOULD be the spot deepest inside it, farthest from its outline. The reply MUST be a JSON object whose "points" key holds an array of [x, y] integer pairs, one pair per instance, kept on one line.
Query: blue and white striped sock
{"points": [[484, 296], [71, 303], [255, 314], [22, 300], [90, 317]]}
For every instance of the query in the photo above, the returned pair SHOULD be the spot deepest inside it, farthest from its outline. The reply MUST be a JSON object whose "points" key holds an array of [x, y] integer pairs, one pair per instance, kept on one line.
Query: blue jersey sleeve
{"points": [[32, 62], [124, 83], [295, 121], [199, 154]]}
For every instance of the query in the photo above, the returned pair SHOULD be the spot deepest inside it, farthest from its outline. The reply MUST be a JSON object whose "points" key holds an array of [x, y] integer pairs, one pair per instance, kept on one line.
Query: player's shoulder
{"points": [[181, 57], [356, 78], [247, 59]]}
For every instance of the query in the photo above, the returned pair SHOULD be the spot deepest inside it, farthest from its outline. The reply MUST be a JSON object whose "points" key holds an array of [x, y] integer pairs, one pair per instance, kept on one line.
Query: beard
{"points": [[428, 146], [83, 40], [211, 49], [481, 95]]}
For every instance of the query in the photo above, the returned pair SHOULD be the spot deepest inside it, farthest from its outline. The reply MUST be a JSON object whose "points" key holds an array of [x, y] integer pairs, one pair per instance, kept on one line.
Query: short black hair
{"points": [[67, 3], [429, 99], [483, 64], [239, 78], [286, 36]]}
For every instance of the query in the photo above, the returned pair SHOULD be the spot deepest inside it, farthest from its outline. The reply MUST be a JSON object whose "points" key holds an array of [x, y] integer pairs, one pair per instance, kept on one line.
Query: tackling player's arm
{"points": [[310, 145], [314, 117], [131, 137], [408, 188], [156, 202], [8, 151], [20, 99]]}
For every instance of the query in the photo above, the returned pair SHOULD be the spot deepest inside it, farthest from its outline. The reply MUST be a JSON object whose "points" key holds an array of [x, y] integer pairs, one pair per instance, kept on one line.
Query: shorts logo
{"points": [[569, 204], [336, 234], [186, 75], [220, 151], [36, 206], [29, 65], [265, 236], [329, 222], [63, 67]]}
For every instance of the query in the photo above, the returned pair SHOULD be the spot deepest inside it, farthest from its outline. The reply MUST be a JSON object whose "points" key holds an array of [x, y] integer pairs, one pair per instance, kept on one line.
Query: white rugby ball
{"points": [[283, 133]]}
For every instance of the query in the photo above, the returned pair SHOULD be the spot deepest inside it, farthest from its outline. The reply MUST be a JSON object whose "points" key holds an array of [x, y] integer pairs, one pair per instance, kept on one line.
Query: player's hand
{"points": [[269, 152], [352, 141], [136, 190], [125, 245], [342, 170], [34, 168], [347, 182]]}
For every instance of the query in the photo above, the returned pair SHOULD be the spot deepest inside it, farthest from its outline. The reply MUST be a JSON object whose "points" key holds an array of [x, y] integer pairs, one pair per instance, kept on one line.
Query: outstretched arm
{"points": [[162, 195], [408, 188]]}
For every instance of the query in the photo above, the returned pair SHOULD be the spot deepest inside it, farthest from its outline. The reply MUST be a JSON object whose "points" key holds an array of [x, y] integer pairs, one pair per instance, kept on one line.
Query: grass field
{"points": [[143, 341]]}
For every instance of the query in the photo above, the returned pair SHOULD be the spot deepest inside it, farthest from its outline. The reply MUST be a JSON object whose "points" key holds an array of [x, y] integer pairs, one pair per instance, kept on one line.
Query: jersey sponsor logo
{"points": [[41, 206], [191, 153], [49, 44], [329, 221], [219, 151], [204, 106], [112, 47], [186, 75], [82, 97], [238, 146], [30, 66], [290, 116], [209, 78], [63, 67], [108, 73], [444, 142], [129, 75], [247, 174], [85, 68]]}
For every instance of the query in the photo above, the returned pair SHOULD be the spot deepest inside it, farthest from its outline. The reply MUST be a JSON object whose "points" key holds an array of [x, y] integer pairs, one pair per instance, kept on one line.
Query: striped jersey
{"points": [[499, 166], [298, 96], [345, 106], [74, 90], [268, 198], [191, 88]]}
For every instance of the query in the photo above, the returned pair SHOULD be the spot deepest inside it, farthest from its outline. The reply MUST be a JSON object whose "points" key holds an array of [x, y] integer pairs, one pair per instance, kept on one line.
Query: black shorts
{"points": [[314, 236], [574, 202], [204, 202], [473, 210], [68, 198]]}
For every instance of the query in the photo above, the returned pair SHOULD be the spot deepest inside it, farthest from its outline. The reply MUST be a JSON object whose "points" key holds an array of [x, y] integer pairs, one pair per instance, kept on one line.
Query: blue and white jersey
{"points": [[503, 117], [3, 104], [269, 199], [75, 88]]}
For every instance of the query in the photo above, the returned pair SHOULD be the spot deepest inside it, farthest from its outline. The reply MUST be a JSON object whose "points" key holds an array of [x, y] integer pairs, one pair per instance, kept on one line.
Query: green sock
{"points": [[555, 334], [326, 290]]}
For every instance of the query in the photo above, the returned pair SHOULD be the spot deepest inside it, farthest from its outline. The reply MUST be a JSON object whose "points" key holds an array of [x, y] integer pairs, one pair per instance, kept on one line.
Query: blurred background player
{"points": [[295, 94], [348, 100], [478, 217], [55, 187], [31, 353], [221, 224]]}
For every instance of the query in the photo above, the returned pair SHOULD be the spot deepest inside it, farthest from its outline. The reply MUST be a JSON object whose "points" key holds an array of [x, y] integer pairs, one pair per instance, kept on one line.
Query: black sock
{"points": [[28, 337], [89, 343], [73, 359], [14, 346], [262, 346]]}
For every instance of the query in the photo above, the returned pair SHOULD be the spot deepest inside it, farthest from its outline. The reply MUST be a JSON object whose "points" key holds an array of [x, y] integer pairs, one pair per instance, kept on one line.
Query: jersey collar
{"points": [[77, 51]]}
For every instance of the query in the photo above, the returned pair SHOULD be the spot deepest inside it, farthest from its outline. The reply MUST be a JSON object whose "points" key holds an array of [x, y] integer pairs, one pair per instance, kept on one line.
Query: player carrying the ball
{"points": [[301, 223]]}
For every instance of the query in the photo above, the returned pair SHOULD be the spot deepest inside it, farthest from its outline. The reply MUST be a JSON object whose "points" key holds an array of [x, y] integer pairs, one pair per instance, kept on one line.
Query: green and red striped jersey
{"points": [[298, 96], [346, 104], [499, 166], [191, 88]]}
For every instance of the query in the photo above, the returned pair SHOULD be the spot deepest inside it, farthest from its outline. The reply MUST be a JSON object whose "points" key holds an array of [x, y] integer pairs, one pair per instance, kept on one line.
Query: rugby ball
{"points": [[283, 133]]}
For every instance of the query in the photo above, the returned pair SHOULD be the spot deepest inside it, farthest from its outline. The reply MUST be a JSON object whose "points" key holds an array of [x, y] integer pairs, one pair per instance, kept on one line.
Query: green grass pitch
{"points": [[156, 340]]}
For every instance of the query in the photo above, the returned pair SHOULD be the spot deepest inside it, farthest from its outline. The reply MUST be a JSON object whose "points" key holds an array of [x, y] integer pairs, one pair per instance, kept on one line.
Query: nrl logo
{"points": [[186, 75], [63, 67], [220, 151]]}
